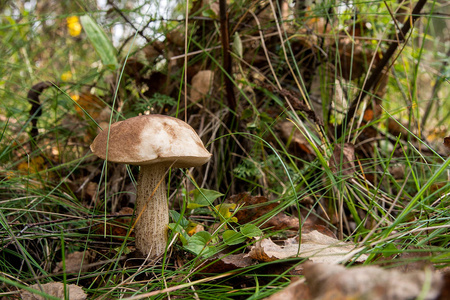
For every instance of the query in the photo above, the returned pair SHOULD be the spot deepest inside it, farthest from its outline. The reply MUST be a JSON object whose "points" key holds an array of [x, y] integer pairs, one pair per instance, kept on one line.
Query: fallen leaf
{"points": [[343, 159], [55, 289], [221, 263], [447, 142], [34, 165], [175, 37], [308, 227], [414, 258], [91, 189], [315, 246], [193, 228], [370, 282], [294, 139], [87, 104], [75, 262], [368, 115], [201, 85], [225, 212], [253, 207], [396, 129], [118, 228], [295, 290]]}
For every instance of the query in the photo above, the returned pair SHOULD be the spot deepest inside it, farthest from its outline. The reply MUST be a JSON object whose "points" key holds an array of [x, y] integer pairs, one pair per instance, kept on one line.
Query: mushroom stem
{"points": [[152, 226]]}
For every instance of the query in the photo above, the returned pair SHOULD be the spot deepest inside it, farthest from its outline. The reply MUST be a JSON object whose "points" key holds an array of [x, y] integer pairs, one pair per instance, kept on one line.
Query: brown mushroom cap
{"points": [[151, 139]]}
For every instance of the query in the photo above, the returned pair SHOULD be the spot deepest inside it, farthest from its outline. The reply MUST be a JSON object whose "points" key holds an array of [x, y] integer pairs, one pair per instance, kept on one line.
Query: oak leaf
{"points": [[55, 289], [315, 246], [201, 85], [370, 282]]}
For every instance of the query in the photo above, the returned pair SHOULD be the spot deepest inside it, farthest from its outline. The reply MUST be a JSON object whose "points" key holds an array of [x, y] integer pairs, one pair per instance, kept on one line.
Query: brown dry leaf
{"points": [[201, 85], [91, 189], [368, 115], [447, 142], [88, 102], [119, 227], [259, 208], [55, 289], [348, 159], [308, 227], [315, 246], [369, 282], [222, 263], [76, 262], [295, 290], [395, 129], [175, 37], [35, 165], [294, 138], [413, 259], [352, 56], [152, 51]]}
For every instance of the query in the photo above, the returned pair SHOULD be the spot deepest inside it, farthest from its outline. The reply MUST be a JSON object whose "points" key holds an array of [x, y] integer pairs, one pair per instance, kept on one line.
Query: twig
{"points": [[140, 32], [225, 38]]}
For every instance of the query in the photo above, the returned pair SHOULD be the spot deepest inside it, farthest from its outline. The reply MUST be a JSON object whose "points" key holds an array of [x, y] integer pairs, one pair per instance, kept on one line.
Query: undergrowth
{"points": [[298, 115]]}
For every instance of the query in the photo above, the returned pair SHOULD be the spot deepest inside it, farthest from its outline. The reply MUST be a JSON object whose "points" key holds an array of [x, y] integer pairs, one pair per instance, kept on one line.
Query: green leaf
{"points": [[231, 237], [209, 13], [176, 228], [250, 231], [198, 244], [389, 250], [237, 45], [247, 113], [226, 211], [100, 41], [202, 197], [177, 218]]}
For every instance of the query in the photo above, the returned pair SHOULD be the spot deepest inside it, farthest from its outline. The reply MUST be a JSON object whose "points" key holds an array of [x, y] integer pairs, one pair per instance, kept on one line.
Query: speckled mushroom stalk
{"points": [[151, 229], [153, 142]]}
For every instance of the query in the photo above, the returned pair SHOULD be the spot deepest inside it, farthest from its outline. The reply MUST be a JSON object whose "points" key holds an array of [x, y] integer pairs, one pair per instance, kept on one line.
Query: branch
{"points": [[140, 32], [377, 73]]}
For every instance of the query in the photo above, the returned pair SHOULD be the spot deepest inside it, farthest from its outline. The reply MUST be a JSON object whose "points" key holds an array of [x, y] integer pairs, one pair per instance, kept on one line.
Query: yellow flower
{"points": [[66, 76], [75, 97], [74, 26]]}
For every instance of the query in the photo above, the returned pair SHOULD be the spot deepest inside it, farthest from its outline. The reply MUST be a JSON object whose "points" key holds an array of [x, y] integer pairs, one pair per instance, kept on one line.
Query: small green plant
{"points": [[157, 101], [203, 242]]}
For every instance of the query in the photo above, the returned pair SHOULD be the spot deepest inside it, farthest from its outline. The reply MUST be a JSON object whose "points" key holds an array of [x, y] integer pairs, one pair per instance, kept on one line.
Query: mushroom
{"points": [[155, 143]]}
